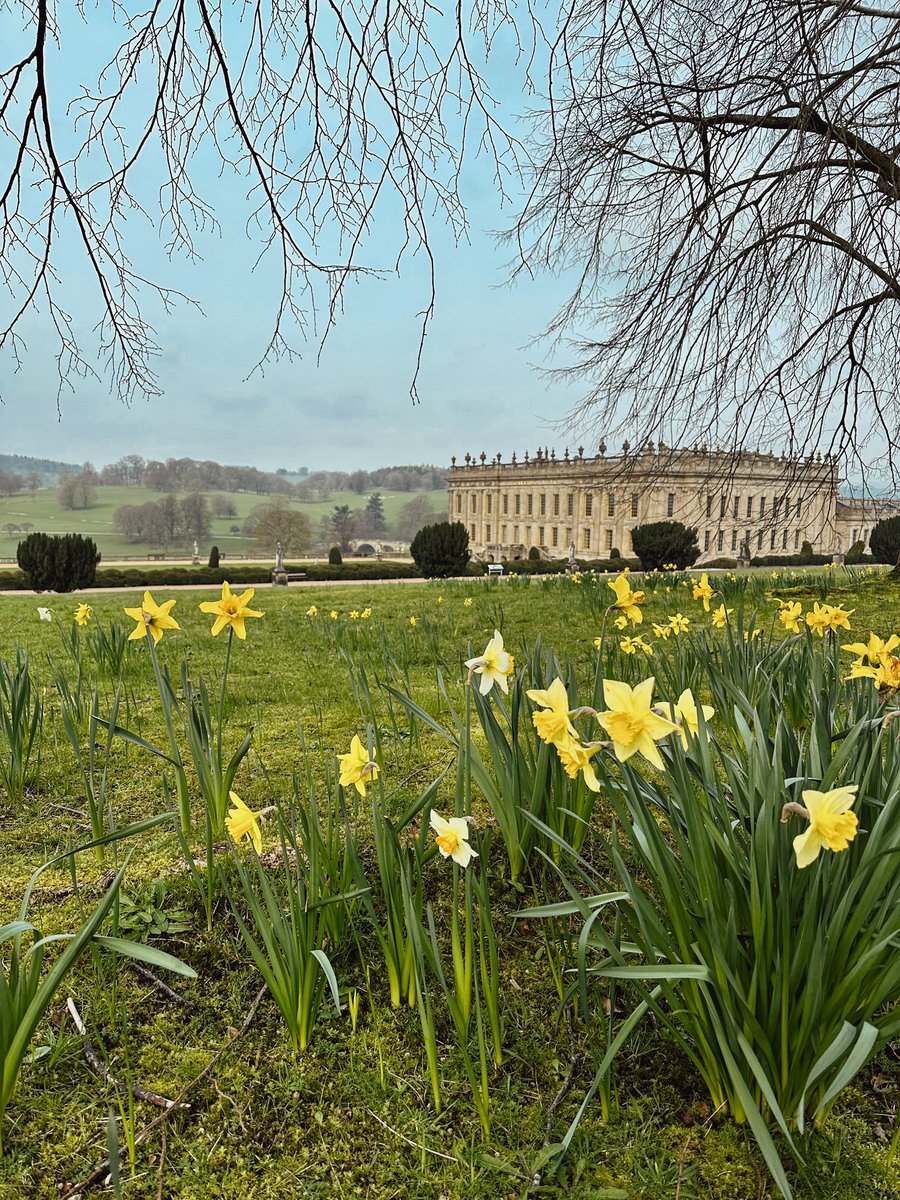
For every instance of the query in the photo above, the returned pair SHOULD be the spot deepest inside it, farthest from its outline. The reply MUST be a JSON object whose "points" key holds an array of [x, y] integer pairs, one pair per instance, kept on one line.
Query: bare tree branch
{"points": [[724, 179]]}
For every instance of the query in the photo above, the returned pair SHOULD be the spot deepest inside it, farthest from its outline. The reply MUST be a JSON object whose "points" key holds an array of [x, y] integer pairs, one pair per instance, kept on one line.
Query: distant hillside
{"points": [[23, 464]]}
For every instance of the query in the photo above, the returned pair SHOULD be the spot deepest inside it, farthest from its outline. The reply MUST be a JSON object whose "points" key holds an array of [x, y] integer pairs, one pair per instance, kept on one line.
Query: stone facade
{"points": [[758, 502]]}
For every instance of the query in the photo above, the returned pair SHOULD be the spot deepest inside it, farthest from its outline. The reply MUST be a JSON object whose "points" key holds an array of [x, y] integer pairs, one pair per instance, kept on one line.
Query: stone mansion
{"points": [[763, 503]]}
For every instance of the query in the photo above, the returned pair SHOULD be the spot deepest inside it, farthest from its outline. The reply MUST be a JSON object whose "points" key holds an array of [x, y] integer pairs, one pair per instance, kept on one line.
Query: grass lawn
{"points": [[353, 1115], [44, 513]]}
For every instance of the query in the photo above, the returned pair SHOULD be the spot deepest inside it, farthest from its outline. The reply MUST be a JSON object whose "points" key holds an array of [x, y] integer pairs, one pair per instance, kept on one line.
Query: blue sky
{"points": [[350, 408]]}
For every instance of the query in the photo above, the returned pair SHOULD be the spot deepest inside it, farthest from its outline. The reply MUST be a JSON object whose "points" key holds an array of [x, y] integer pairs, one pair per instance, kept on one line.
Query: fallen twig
{"points": [[575, 1058], [102, 1070], [100, 1172], [161, 985]]}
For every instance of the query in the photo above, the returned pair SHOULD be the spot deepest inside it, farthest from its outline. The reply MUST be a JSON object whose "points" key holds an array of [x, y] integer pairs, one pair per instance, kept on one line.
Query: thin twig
{"points": [[100, 1171], [102, 1070], [574, 1060], [409, 1141], [161, 985]]}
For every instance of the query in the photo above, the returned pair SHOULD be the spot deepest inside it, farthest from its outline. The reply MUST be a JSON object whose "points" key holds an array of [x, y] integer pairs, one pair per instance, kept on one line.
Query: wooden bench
{"points": [[156, 557]]}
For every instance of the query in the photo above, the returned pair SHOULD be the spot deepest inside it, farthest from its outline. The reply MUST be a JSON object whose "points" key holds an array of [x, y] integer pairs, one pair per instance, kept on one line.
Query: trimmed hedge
{"points": [[151, 577]]}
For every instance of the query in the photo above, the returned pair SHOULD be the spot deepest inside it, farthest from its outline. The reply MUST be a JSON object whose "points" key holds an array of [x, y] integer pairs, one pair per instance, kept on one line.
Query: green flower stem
{"points": [[184, 802]]}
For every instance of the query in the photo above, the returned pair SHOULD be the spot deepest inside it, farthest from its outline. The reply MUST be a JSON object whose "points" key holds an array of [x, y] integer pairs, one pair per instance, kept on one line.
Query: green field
{"points": [[353, 1115], [45, 514]]}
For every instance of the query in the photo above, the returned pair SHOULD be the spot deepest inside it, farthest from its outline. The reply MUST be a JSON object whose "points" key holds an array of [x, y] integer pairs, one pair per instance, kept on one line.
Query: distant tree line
{"points": [[188, 474]]}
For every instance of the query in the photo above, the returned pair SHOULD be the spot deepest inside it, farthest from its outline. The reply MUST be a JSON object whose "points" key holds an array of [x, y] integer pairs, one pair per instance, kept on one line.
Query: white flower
{"points": [[45, 614]]}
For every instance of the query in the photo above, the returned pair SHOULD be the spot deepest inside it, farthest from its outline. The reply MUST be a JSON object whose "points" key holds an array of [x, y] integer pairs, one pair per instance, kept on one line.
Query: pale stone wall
{"points": [[773, 504], [855, 518]]}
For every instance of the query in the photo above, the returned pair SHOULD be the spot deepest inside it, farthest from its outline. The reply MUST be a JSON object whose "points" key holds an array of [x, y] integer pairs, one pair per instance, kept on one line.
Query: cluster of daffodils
{"points": [[828, 616], [875, 660], [355, 614], [631, 720]]}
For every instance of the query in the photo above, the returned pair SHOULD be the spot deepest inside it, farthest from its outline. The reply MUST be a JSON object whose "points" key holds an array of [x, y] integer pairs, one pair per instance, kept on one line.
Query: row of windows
{"points": [[541, 532], [552, 501], [780, 505], [608, 534], [773, 537]]}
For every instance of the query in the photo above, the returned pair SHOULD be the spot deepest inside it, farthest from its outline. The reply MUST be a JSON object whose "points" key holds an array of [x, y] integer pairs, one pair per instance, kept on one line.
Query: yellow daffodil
{"points": [[703, 591], [440, 599], [354, 614], [231, 610], [356, 766], [631, 645], [243, 822], [574, 758], [662, 631], [631, 723], [83, 614], [627, 600], [874, 648], [553, 725], [720, 616], [494, 666], [832, 823], [312, 611], [452, 838], [413, 621], [819, 619], [840, 618], [467, 603], [152, 616], [366, 613], [752, 636], [685, 714], [789, 615], [679, 623], [333, 614], [621, 622]]}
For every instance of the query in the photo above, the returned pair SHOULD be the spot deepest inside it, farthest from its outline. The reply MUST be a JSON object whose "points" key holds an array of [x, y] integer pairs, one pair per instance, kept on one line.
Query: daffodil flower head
{"points": [[789, 615], [231, 610], [832, 823], [452, 838], [44, 614], [312, 611], [356, 767], [553, 724], [820, 618], [704, 591], [151, 617], [494, 666], [467, 603], [679, 623], [720, 616], [83, 614], [631, 723], [684, 712], [576, 758], [627, 600], [243, 822], [413, 621]]}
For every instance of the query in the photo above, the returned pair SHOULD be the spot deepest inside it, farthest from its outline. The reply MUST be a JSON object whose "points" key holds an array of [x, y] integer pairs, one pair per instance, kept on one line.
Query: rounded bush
{"points": [[441, 550], [58, 562], [335, 558], [665, 542], [884, 541]]}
